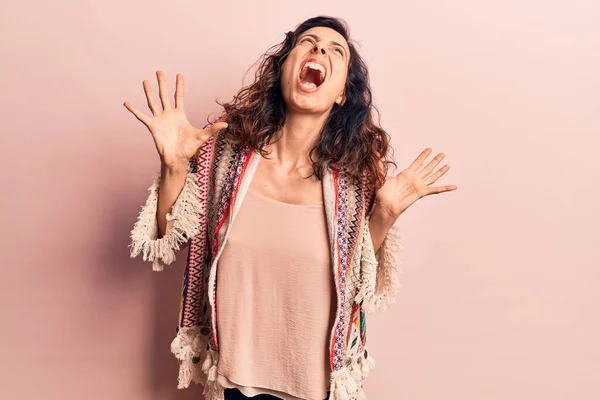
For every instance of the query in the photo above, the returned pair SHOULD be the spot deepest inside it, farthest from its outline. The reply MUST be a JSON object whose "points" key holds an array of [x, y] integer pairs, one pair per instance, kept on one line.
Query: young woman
{"points": [[288, 211]]}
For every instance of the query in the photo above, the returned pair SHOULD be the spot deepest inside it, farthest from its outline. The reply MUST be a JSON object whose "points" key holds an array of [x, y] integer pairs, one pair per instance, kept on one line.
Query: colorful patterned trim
{"points": [[350, 203], [193, 280], [341, 189]]}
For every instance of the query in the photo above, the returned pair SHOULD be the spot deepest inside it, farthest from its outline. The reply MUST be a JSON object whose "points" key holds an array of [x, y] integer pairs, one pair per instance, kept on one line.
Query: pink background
{"points": [[501, 278]]}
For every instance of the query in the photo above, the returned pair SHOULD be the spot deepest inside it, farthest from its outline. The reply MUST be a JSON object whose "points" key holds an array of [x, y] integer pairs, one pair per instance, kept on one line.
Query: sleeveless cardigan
{"points": [[216, 182]]}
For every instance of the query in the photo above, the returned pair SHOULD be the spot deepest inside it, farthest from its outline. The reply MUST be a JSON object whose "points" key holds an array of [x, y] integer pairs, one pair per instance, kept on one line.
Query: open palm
{"points": [[401, 191], [175, 138]]}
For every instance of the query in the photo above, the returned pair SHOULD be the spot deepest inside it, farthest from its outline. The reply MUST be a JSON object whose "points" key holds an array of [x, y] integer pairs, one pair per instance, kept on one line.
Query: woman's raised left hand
{"points": [[401, 191]]}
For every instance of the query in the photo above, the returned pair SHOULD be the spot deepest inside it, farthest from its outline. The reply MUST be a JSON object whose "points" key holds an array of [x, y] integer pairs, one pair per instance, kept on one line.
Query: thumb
{"points": [[216, 127], [211, 130]]}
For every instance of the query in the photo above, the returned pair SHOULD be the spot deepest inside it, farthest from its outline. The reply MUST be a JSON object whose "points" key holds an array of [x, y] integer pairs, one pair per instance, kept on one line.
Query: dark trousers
{"points": [[234, 394]]}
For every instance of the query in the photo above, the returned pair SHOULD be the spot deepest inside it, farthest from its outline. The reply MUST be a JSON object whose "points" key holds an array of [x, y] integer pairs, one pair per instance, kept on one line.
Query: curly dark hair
{"points": [[350, 141]]}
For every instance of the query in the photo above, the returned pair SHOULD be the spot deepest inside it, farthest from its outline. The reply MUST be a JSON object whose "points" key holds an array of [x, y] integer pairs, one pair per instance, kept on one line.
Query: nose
{"points": [[317, 49]]}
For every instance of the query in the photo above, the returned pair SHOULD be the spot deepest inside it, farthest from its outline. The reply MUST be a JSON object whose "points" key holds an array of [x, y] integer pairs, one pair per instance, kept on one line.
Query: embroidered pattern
{"points": [[193, 280], [343, 250], [351, 201], [354, 333], [363, 327]]}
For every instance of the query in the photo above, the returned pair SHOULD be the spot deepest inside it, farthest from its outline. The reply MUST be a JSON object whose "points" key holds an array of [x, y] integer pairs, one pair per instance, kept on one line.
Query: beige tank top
{"points": [[276, 300]]}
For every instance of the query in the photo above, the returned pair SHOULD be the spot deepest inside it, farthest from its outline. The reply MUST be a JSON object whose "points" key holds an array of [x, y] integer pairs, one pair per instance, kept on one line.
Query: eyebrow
{"points": [[318, 38]]}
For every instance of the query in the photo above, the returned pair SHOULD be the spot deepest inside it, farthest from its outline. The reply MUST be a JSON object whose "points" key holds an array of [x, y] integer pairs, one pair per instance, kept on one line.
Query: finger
{"points": [[419, 160], [440, 189], [439, 173], [162, 90], [431, 165], [138, 114], [179, 91], [150, 97]]}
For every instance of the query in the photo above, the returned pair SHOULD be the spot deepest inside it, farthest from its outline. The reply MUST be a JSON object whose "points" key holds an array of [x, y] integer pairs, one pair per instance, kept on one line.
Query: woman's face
{"points": [[314, 74]]}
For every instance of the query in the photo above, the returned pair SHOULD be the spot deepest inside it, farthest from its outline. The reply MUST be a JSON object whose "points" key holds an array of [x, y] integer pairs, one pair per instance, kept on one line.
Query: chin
{"points": [[301, 103], [304, 107]]}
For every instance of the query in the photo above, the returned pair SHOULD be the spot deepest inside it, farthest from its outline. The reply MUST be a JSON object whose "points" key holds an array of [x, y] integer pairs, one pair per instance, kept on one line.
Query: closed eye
{"points": [[339, 50], [309, 39]]}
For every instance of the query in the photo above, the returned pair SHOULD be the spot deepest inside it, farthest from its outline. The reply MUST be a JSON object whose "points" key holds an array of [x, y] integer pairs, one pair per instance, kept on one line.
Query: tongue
{"points": [[311, 76]]}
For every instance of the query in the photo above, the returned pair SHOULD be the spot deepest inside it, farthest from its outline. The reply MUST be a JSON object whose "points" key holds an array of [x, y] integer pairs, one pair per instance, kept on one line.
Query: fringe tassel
{"points": [[183, 223], [339, 381], [188, 346], [360, 366], [197, 363], [379, 272], [346, 383], [212, 389]]}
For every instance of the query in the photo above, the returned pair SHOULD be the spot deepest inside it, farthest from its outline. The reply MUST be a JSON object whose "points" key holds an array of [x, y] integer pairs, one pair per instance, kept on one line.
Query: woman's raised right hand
{"points": [[175, 138]]}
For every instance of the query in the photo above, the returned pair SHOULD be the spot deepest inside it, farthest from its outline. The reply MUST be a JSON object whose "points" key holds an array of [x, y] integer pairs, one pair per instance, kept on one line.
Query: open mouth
{"points": [[312, 75]]}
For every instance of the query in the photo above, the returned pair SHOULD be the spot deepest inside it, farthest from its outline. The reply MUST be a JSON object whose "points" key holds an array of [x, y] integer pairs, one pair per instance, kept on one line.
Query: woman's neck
{"points": [[296, 138]]}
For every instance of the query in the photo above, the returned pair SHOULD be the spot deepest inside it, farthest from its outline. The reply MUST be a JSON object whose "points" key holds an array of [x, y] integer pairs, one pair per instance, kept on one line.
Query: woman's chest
{"points": [[292, 186]]}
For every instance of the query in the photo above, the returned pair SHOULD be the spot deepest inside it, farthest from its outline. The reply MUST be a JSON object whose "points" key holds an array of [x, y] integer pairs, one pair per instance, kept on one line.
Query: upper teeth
{"points": [[316, 66]]}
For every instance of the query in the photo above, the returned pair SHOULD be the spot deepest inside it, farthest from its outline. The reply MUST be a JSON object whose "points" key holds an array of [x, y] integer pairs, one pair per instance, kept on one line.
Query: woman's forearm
{"points": [[380, 223], [172, 181]]}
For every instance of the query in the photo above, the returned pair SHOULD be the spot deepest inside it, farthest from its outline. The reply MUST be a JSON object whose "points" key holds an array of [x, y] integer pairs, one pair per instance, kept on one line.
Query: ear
{"points": [[341, 99]]}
